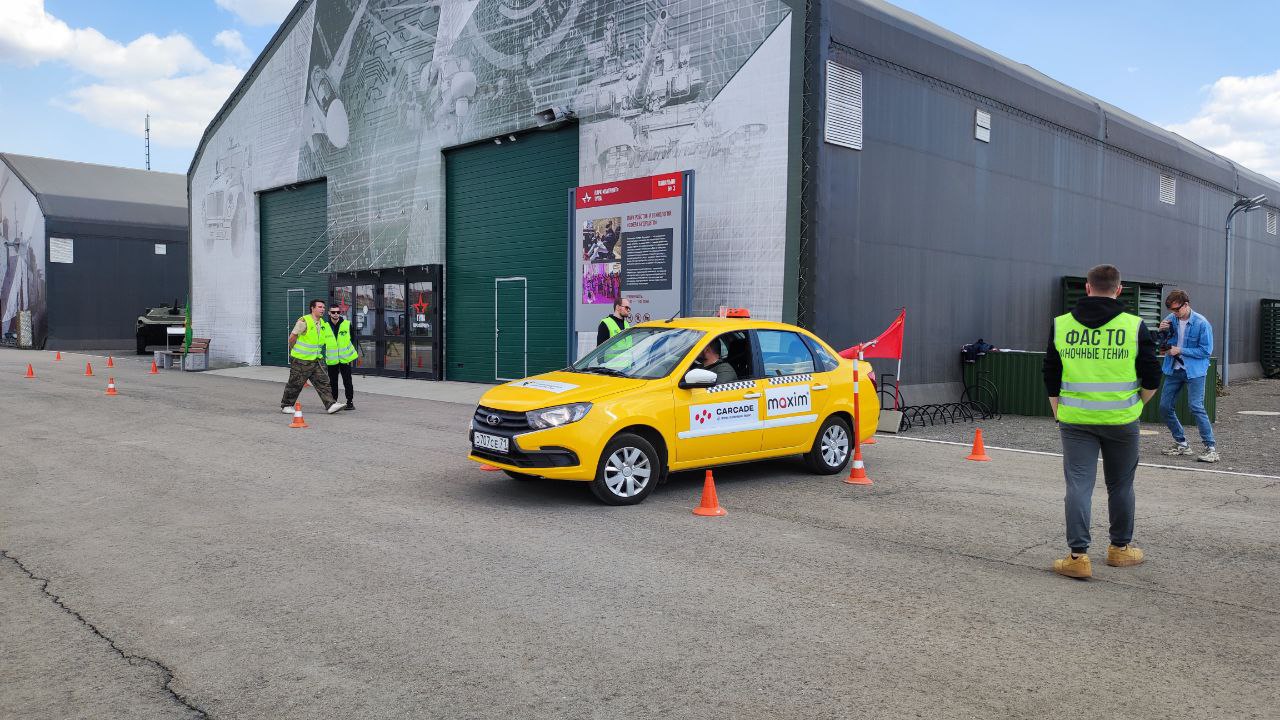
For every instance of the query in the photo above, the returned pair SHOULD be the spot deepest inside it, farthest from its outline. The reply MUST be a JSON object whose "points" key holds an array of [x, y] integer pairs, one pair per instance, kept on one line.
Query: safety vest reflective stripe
{"points": [[311, 344], [1099, 370], [1085, 387], [340, 350], [1099, 404]]}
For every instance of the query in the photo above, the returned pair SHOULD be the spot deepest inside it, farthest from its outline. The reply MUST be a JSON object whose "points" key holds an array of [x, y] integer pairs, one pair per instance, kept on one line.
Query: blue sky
{"points": [[74, 83]]}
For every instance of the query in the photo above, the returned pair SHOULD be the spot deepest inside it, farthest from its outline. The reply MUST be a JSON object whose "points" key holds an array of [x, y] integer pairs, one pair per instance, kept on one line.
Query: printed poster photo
{"points": [[601, 283], [602, 240]]}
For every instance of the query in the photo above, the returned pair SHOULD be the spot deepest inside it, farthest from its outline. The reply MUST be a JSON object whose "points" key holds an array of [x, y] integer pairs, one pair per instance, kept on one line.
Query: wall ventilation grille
{"points": [[982, 125], [1271, 222], [843, 107], [1168, 189]]}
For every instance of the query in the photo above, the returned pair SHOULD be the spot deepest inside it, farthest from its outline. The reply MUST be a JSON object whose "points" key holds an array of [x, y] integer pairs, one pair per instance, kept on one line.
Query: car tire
{"points": [[519, 476], [832, 447], [627, 459]]}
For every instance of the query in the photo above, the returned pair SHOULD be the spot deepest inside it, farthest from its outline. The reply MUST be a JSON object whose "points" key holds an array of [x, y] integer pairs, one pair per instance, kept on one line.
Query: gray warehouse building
{"points": [[845, 158], [977, 184], [88, 248]]}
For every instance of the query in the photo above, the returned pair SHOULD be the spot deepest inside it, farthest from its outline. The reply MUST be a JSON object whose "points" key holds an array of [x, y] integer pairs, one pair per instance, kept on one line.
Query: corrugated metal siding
{"points": [[974, 238], [506, 210], [1019, 381], [290, 219]]}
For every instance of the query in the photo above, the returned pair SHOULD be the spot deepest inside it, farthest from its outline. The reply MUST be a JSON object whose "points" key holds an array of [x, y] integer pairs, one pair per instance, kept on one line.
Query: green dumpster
{"points": [[1016, 379]]}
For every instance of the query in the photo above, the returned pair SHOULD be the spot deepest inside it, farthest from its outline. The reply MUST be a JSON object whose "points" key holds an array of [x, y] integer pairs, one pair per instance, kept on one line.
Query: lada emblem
{"points": [[493, 420]]}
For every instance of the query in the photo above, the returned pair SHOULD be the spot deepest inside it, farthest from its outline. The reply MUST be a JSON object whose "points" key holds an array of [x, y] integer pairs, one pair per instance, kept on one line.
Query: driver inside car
{"points": [[710, 359]]}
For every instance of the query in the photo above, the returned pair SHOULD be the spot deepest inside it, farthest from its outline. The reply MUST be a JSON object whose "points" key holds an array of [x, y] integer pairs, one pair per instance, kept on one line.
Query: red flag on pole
{"points": [[887, 345]]}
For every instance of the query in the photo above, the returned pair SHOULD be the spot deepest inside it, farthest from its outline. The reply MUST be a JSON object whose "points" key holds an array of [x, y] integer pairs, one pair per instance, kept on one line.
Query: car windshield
{"points": [[641, 352]]}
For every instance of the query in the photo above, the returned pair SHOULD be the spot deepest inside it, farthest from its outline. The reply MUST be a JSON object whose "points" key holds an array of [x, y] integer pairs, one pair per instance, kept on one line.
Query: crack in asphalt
{"points": [[128, 657]]}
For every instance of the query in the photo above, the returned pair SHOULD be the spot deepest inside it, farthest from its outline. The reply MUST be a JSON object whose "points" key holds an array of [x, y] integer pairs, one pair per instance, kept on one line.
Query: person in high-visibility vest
{"points": [[307, 343], [340, 354], [1099, 370], [617, 322]]}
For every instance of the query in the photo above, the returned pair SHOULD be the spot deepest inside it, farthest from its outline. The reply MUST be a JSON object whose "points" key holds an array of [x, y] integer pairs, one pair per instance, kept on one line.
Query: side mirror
{"points": [[698, 378]]}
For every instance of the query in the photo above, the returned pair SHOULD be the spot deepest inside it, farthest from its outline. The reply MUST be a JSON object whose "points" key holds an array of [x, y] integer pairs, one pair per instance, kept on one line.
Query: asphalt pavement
{"points": [[177, 551]]}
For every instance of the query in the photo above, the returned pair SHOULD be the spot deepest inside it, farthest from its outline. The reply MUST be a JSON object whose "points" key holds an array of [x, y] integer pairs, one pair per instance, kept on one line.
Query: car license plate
{"points": [[491, 442]]}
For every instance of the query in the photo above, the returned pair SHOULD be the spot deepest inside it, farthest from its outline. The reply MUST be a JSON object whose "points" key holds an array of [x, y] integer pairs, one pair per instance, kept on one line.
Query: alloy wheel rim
{"points": [[627, 472], [835, 445]]}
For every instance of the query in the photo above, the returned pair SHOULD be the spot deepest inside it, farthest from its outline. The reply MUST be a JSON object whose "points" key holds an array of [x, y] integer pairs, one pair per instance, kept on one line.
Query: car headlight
{"points": [[557, 416]]}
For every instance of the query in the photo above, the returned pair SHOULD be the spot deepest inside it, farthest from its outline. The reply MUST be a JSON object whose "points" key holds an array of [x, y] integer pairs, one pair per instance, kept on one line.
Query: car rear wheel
{"points": [[629, 469], [831, 448]]}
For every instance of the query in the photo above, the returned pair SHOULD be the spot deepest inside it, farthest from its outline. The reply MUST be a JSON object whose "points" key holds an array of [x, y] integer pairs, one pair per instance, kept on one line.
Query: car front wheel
{"points": [[629, 469], [831, 448]]}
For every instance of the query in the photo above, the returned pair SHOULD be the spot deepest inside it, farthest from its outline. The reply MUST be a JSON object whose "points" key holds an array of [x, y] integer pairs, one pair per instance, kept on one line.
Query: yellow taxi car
{"points": [[682, 394]]}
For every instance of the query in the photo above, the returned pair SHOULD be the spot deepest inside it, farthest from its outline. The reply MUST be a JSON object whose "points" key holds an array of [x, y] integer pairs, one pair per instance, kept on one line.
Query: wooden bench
{"points": [[195, 357]]}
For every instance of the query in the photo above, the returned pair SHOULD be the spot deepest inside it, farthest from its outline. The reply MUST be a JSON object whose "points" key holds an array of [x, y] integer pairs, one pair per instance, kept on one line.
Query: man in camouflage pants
{"points": [[310, 336]]}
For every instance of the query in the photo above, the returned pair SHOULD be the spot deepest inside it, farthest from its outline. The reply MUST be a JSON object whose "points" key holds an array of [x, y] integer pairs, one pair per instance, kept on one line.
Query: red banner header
{"points": [[655, 187]]}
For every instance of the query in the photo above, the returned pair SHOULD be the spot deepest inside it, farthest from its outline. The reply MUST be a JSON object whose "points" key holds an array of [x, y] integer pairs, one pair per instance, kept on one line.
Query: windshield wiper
{"points": [[605, 371]]}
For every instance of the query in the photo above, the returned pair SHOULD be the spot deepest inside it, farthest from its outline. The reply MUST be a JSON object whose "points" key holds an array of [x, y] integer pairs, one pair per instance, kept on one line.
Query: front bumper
{"points": [[549, 460]]}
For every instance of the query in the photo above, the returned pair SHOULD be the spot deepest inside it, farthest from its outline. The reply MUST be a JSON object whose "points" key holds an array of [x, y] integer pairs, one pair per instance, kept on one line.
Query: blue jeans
{"points": [[1173, 385]]}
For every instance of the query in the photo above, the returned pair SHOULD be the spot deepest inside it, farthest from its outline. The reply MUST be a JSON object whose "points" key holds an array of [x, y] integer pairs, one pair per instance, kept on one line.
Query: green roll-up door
{"points": [[293, 261], [506, 213]]}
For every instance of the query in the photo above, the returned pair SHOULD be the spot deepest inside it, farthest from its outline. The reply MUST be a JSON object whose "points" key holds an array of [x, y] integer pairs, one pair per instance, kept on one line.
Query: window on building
{"points": [[843, 106], [1168, 189]]}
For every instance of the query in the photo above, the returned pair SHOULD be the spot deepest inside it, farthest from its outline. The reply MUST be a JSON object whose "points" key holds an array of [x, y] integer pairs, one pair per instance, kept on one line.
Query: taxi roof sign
{"points": [[728, 312]]}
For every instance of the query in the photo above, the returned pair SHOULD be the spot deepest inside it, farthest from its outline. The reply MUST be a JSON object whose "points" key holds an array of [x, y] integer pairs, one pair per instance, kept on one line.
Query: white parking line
{"points": [[1053, 454]]}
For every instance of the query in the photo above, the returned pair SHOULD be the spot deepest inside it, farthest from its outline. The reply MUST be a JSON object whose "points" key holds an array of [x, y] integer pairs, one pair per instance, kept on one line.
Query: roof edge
{"points": [[4, 157], [250, 75]]}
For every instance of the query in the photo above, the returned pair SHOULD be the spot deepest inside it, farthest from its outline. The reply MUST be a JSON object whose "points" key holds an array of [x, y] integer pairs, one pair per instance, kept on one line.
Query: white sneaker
{"points": [[287, 410], [1210, 456], [1178, 449], [334, 408]]}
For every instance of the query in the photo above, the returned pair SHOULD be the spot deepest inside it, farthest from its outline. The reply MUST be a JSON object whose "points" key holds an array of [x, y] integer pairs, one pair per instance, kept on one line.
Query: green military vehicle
{"points": [[154, 324]]}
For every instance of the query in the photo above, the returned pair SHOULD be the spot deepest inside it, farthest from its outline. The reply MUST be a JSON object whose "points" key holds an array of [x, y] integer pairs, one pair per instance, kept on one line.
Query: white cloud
{"points": [[166, 76], [258, 12], [233, 43], [1241, 120]]}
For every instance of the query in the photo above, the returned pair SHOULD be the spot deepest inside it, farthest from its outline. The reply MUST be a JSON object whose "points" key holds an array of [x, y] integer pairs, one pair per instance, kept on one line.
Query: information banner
{"points": [[629, 239]]}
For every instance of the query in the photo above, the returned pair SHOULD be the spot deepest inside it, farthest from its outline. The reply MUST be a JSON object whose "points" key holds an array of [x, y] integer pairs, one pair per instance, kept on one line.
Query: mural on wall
{"points": [[366, 93], [22, 286]]}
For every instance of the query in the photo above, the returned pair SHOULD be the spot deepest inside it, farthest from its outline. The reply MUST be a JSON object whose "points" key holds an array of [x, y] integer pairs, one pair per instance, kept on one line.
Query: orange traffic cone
{"points": [[710, 505], [110, 362], [870, 441], [489, 468], [111, 386], [31, 373], [57, 356], [298, 422], [979, 452], [154, 369], [306, 384], [858, 471], [88, 369]]}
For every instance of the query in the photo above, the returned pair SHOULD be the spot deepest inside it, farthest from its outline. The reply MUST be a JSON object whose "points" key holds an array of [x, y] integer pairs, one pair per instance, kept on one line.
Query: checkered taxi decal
{"points": [[785, 379], [739, 385]]}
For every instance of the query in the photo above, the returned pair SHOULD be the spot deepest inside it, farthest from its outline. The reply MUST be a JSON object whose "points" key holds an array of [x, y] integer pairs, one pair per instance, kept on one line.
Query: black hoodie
{"points": [[1094, 312]]}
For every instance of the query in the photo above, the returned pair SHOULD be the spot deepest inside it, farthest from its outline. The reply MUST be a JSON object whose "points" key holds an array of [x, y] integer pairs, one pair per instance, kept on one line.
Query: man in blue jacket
{"points": [[1186, 364]]}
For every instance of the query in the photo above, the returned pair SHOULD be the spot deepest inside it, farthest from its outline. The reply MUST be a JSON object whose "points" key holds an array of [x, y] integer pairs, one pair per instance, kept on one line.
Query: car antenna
{"points": [[673, 317]]}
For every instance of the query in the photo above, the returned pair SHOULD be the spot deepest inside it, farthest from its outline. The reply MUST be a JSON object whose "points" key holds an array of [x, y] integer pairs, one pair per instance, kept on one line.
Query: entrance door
{"points": [[510, 328], [395, 316], [293, 248]]}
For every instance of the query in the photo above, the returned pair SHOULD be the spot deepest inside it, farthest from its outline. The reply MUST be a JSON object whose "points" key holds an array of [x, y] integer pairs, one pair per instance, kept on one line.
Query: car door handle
{"points": [[819, 387], [750, 396]]}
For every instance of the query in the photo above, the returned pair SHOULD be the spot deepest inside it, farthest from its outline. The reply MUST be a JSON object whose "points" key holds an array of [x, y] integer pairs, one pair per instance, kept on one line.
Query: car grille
{"points": [[507, 420]]}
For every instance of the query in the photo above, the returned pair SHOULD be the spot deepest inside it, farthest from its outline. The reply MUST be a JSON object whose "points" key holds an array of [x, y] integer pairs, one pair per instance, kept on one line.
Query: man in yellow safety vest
{"points": [[1099, 370], [617, 322], [340, 354], [307, 343]]}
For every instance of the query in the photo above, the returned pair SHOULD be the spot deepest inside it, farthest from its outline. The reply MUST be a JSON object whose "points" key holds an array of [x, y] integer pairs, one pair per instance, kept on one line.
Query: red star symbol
{"points": [[421, 306]]}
